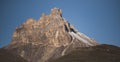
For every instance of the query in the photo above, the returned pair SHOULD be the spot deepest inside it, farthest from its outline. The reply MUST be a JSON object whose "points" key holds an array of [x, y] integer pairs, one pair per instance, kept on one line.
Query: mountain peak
{"points": [[56, 12], [51, 36]]}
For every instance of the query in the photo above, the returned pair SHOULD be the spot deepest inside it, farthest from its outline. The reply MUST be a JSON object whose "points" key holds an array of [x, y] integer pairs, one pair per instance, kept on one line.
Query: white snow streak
{"points": [[63, 53], [79, 38], [81, 34]]}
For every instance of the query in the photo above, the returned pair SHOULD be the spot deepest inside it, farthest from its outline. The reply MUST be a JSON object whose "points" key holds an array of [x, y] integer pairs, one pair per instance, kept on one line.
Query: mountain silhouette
{"points": [[51, 38]]}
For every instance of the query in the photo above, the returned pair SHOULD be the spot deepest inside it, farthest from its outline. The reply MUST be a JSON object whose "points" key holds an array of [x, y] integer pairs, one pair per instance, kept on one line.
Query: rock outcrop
{"points": [[48, 38]]}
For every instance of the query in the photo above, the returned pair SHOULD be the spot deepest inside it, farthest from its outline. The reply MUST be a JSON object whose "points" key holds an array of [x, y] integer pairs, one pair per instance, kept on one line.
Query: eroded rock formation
{"points": [[48, 38]]}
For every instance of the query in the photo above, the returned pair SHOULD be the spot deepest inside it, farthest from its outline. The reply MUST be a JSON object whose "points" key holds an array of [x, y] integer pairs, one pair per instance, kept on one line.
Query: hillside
{"points": [[100, 53], [7, 56]]}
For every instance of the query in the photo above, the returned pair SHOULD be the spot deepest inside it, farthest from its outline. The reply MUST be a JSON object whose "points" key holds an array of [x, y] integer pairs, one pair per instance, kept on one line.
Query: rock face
{"points": [[48, 38]]}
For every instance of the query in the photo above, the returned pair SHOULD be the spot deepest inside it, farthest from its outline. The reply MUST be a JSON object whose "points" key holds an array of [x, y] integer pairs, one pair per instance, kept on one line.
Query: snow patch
{"points": [[80, 38]]}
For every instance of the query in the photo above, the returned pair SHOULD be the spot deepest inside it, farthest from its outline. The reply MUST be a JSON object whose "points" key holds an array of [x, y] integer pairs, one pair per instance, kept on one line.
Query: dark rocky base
{"points": [[100, 53], [7, 56]]}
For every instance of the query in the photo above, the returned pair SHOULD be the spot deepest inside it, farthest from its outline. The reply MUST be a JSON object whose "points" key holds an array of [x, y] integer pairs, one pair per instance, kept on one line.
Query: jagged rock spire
{"points": [[56, 11]]}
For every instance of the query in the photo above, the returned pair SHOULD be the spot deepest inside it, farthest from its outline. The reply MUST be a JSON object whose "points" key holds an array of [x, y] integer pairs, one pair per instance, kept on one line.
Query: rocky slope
{"points": [[99, 53], [7, 56], [48, 38]]}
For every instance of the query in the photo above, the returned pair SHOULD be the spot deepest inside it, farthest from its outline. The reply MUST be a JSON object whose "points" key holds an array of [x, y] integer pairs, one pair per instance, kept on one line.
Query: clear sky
{"points": [[99, 19]]}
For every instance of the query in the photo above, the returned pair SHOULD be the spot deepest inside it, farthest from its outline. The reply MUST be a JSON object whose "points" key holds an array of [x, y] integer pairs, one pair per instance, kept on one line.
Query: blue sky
{"points": [[99, 19]]}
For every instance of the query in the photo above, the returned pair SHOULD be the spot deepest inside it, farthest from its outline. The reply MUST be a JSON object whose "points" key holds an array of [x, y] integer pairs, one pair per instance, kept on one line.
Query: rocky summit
{"points": [[48, 38]]}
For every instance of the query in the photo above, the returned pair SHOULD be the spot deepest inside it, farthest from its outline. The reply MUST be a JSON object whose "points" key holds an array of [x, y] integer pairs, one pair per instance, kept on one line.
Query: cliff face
{"points": [[48, 38]]}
